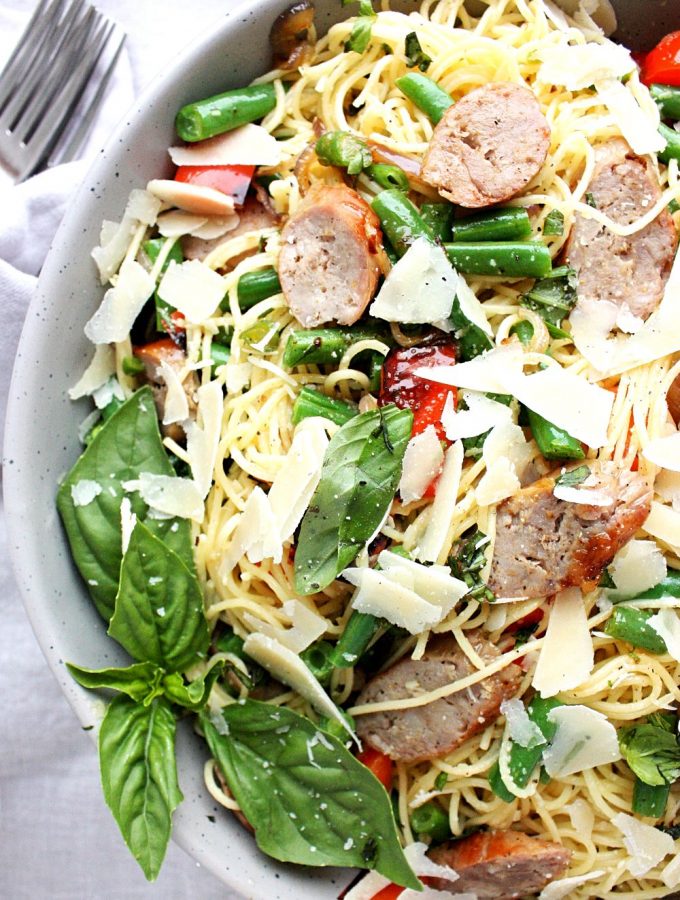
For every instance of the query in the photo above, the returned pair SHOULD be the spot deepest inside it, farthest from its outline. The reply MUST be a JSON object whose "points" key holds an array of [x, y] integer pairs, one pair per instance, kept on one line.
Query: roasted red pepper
{"points": [[380, 764], [662, 64], [231, 180], [391, 892]]}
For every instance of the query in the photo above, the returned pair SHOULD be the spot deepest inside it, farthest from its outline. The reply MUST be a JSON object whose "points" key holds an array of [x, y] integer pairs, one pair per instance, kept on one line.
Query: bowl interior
{"points": [[41, 437]]}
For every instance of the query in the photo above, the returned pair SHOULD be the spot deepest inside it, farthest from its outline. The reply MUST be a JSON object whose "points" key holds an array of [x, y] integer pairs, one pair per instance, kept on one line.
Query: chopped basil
{"points": [[415, 55], [467, 563], [553, 298], [554, 223], [574, 477]]}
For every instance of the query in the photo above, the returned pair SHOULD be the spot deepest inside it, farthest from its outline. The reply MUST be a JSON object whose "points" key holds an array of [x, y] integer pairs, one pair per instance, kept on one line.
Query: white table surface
{"points": [[57, 837]]}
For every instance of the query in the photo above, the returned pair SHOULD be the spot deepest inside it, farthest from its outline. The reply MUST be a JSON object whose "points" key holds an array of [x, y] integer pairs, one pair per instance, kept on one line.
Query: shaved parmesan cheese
{"points": [[419, 288], [663, 523], [297, 479], [422, 461], [582, 495], [216, 226], [256, 534], [380, 595], [563, 887], [238, 376], [583, 409], [249, 145], [143, 206], [582, 816], [169, 495], [121, 305], [667, 625], [481, 415], [176, 406], [498, 482], [564, 664], [83, 492], [664, 452], [128, 520], [204, 201], [584, 739], [203, 441], [638, 566], [176, 223], [646, 845], [287, 666], [193, 288], [488, 373], [640, 127], [433, 583], [578, 66], [109, 391], [307, 626], [506, 454], [522, 730], [667, 486], [470, 306], [671, 873], [101, 368], [433, 540]]}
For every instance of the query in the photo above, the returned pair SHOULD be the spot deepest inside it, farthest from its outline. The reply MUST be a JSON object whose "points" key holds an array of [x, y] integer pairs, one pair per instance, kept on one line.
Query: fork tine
{"points": [[75, 141]]}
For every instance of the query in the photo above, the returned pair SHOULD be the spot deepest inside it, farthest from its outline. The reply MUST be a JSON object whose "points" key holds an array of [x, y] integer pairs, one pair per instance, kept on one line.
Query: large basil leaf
{"points": [[159, 613], [653, 753], [308, 799], [361, 471], [128, 444], [139, 776], [141, 681]]}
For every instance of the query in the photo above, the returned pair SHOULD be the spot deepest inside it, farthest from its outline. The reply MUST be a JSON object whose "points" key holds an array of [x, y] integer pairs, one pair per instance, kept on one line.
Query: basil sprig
{"points": [[308, 798], [360, 37], [361, 471], [652, 751]]}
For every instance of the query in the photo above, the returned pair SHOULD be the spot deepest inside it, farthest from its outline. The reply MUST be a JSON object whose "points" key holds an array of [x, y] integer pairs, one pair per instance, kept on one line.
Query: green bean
{"points": [[438, 218], [430, 820], [667, 99], [333, 727], [470, 338], [132, 366], [345, 150], [509, 223], [324, 346], [388, 176], [554, 223], [354, 640], [310, 402], [223, 112], [375, 366], [514, 260], [669, 587], [672, 138], [553, 442], [650, 800], [152, 248], [400, 219], [219, 355], [426, 94], [523, 760], [255, 286], [632, 625], [317, 658]]}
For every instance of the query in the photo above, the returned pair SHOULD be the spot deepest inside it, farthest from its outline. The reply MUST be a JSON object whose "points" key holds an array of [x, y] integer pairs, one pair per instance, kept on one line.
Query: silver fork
{"points": [[57, 75]]}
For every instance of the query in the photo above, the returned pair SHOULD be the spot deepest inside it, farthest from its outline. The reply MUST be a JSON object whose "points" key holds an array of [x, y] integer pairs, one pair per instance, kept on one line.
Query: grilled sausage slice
{"points": [[488, 146], [152, 355], [628, 272], [253, 216], [330, 258], [544, 545], [425, 732], [500, 865]]}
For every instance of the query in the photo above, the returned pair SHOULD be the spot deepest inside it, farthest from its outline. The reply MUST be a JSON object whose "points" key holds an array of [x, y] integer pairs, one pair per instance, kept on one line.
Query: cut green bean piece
{"points": [[219, 355], [132, 366], [310, 402], [400, 219], [224, 112], [358, 634], [332, 726], [438, 217], [430, 821], [672, 138], [667, 99], [510, 223], [345, 150], [632, 625], [324, 346], [554, 223], [513, 260], [317, 658], [650, 800], [426, 94], [388, 176], [471, 339], [669, 587], [553, 442], [255, 286]]}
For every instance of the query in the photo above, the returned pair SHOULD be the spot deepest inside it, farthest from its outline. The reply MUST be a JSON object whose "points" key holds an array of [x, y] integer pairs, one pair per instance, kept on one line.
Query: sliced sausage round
{"points": [[488, 146], [330, 257], [544, 544], [253, 216], [632, 271], [499, 865], [426, 732]]}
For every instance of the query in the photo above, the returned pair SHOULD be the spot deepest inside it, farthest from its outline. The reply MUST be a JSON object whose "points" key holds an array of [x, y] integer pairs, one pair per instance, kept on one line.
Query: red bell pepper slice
{"points": [[391, 892], [231, 180], [378, 763], [662, 64]]}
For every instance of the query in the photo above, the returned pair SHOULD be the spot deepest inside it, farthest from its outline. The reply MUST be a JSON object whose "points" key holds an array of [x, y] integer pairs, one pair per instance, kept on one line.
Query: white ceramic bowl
{"points": [[41, 436]]}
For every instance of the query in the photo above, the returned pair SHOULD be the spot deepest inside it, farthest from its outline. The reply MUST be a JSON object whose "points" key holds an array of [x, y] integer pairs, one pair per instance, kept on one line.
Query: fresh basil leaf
{"points": [[415, 55], [195, 694], [652, 753], [574, 477], [471, 339], [139, 776], [590, 199], [553, 298], [360, 37], [140, 681], [554, 223], [307, 797], [128, 443], [159, 607], [361, 471], [468, 561]]}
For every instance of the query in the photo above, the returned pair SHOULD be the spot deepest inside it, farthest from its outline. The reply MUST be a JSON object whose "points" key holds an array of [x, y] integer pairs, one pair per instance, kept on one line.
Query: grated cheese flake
{"points": [[577, 66], [194, 198], [584, 739], [203, 440], [645, 844], [663, 522], [481, 415], [664, 452], [83, 492], [422, 463], [434, 539], [121, 305], [101, 368], [250, 145], [193, 288], [640, 127], [564, 887], [667, 625], [522, 730], [298, 477], [488, 373], [562, 664], [176, 406], [638, 566], [169, 495]]}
